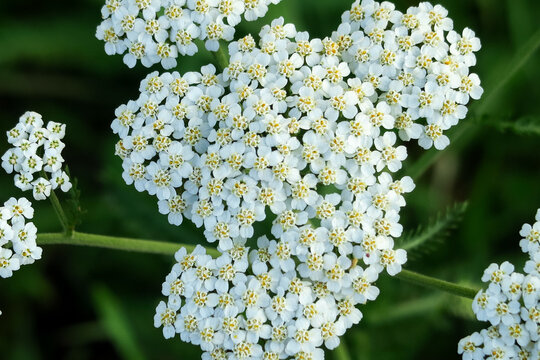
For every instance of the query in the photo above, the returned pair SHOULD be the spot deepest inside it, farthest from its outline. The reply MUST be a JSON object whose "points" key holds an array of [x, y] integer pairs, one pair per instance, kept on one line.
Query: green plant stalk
{"points": [[221, 57], [523, 55], [60, 213], [168, 248], [58, 208], [342, 352], [434, 283], [117, 243]]}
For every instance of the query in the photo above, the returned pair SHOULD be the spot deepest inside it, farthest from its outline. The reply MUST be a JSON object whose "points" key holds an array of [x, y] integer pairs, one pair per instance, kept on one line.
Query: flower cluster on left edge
{"points": [[36, 159]]}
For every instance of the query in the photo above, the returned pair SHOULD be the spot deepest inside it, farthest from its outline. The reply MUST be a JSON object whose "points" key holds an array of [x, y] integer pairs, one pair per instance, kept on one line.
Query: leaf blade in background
{"points": [[115, 324]]}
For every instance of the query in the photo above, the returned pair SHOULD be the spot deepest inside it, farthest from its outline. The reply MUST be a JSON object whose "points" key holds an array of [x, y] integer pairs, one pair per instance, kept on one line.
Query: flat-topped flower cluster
{"points": [[36, 151], [306, 133], [36, 159], [269, 314], [18, 237], [157, 31], [511, 305]]}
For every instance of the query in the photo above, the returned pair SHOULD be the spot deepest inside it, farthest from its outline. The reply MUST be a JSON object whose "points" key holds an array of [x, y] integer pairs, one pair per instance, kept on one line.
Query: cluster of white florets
{"points": [[302, 131], [18, 237], [36, 156], [418, 65], [511, 305], [157, 31], [269, 314]]}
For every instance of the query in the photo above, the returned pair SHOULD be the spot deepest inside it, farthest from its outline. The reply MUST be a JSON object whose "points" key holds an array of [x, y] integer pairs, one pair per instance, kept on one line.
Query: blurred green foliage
{"points": [[82, 303]]}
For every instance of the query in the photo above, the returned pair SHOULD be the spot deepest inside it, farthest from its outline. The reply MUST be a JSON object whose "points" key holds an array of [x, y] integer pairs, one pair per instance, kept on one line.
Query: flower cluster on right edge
{"points": [[510, 304]]}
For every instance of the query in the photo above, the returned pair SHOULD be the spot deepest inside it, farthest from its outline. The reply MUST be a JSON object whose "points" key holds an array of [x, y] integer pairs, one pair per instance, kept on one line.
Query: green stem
{"points": [[168, 248], [58, 209], [433, 283], [117, 243], [60, 213], [342, 352], [222, 57], [500, 80]]}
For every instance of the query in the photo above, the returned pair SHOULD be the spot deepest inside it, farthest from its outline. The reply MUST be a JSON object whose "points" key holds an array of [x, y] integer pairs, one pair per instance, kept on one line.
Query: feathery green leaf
{"points": [[425, 238], [526, 125]]}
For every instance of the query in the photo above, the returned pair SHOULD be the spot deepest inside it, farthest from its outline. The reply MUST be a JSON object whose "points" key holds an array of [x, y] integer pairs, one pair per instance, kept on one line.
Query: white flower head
{"points": [[36, 156]]}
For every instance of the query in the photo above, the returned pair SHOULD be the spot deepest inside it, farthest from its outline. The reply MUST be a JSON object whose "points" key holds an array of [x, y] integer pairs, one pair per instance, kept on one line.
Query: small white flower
{"points": [[41, 189], [165, 317], [8, 263]]}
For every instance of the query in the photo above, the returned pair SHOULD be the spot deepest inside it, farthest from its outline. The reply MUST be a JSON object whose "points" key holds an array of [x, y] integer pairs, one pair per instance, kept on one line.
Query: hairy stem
{"points": [[169, 248], [117, 243], [58, 209], [60, 213], [434, 283]]}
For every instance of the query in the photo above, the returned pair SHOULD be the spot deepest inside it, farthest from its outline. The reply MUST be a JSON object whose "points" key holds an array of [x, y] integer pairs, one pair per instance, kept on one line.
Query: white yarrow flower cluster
{"points": [[511, 305], [223, 150], [157, 31], [270, 314], [18, 237], [310, 133], [418, 64], [36, 156]]}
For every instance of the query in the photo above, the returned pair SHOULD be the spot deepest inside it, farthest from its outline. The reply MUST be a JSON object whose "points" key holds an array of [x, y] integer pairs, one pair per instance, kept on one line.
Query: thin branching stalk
{"points": [[58, 209], [434, 283], [117, 243], [222, 57], [169, 248], [60, 213], [342, 351]]}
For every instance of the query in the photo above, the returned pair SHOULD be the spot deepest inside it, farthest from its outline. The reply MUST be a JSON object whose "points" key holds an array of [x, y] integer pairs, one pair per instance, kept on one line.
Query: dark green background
{"points": [[83, 303]]}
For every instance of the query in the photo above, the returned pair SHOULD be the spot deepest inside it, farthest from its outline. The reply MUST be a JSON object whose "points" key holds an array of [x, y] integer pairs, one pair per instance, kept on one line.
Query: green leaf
{"points": [[115, 324], [425, 238], [527, 125]]}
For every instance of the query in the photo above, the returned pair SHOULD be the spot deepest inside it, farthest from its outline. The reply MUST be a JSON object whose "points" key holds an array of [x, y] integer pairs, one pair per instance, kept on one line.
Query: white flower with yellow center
{"points": [[36, 149], [18, 238], [166, 316], [8, 263]]}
